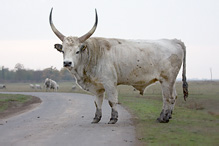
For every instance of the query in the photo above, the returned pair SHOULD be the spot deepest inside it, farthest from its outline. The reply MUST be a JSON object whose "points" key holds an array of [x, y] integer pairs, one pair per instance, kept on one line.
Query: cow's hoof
{"points": [[113, 121], [162, 120], [95, 120], [165, 116], [97, 117]]}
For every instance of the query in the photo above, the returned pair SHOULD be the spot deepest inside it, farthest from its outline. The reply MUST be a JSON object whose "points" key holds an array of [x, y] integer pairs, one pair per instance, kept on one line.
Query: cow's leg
{"points": [[174, 96], [112, 95], [169, 97], [98, 103], [114, 113]]}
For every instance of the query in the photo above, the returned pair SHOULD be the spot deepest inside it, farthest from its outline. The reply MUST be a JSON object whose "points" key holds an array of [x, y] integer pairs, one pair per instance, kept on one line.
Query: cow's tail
{"points": [[185, 84]]}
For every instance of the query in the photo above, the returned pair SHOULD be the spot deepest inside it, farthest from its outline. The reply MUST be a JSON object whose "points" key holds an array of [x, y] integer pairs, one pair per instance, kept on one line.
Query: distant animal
{"points": [[37, 86], [100, 64], [2, 86], [73, 87], [50, 84], [31, 86]]}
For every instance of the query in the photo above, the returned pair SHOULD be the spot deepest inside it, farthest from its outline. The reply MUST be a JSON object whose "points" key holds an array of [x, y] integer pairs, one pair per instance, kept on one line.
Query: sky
{"points": [[26, 36]]}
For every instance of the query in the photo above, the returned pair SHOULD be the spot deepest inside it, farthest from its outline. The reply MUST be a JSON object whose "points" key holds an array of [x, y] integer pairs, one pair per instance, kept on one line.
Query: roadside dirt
{"points": [[15, 108]]}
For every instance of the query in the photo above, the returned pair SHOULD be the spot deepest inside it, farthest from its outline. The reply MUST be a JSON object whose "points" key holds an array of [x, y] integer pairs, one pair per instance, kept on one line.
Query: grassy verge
{"points": [[16, 99], [192, 124]]}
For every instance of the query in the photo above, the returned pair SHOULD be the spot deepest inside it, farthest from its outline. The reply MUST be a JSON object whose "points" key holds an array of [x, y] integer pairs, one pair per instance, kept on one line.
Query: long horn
{"points": [[58, 34], [87, 35]]}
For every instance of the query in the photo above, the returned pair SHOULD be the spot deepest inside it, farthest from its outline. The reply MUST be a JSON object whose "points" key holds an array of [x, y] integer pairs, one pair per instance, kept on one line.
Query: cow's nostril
{"points": [[67, 63]]}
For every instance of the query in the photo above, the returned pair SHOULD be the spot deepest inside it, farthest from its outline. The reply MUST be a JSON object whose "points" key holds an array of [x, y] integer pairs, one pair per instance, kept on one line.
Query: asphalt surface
{"points": [[64, 119]]}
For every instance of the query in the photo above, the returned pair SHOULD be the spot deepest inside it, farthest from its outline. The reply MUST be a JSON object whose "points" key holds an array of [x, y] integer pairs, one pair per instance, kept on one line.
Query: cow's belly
{"points": [[137, 77], [139, 82]]}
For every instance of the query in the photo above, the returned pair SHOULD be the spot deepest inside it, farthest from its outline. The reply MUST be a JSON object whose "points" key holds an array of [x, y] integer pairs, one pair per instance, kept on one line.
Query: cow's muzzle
{"points": [[67, 63]]}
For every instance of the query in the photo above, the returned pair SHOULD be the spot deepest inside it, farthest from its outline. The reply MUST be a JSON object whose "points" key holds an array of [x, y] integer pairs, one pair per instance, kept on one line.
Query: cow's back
{"points": [[143, 62]]}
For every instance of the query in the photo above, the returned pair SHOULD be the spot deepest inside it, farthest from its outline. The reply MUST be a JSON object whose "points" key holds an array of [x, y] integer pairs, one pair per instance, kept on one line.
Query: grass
{"points": [[6, 99], [195, 122]]}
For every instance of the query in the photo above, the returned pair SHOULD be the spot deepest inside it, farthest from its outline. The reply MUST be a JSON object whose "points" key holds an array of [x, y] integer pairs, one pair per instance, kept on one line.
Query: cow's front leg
{"points": [[114, 113], [98, 103], [112, 94]]}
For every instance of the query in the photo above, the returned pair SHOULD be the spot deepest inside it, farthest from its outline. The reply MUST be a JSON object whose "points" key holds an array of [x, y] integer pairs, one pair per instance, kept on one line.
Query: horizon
{"points": [[177, 79]]}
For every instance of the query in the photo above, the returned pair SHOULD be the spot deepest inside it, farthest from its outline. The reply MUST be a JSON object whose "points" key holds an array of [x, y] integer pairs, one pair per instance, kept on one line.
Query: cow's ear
{"points": [[58, 47], [83, 47]]}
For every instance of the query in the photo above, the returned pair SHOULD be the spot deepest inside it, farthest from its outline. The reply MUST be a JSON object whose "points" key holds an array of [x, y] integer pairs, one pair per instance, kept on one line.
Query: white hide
{"points": [[50, 84]]}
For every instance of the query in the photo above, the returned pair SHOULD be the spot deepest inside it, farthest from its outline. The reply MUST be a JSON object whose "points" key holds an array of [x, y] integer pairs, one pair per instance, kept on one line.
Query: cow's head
{"points": [[71, 47]]}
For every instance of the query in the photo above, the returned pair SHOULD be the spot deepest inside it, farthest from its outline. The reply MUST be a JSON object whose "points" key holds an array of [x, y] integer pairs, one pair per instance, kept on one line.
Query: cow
{"points": [[2, 86], [73, 87], [50, 84], [37, 86], [100, 64], [31, 86]]}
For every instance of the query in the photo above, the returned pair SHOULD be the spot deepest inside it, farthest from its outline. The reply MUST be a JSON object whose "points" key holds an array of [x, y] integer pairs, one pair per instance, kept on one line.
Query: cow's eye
{"points": [[77, 52], [83, 47]]}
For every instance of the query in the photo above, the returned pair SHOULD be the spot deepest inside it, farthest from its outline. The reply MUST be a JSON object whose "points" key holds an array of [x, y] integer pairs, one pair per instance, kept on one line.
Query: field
{"points": [[25, 87], [194, 122]]}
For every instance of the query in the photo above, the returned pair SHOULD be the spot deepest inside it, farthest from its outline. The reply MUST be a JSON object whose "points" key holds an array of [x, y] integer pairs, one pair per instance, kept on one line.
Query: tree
{"points": [[20, 74], [2, 73], [19, 66]]}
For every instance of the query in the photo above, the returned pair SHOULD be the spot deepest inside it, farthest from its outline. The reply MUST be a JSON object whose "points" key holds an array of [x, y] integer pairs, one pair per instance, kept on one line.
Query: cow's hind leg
{"points": [[169, 97], [98, 103]]}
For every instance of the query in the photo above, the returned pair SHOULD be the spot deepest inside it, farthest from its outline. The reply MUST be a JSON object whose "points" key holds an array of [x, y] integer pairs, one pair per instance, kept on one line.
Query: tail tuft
{"points": [[185, 89]]}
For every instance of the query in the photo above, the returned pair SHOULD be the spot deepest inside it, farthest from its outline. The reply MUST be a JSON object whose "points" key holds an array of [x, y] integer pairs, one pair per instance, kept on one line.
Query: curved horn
{"points": [[87, 35], [58, 34]]}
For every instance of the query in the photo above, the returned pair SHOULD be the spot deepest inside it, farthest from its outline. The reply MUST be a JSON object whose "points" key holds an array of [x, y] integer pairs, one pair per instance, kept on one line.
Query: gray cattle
{"points": [[100, 64], [50, 84], [2, 86], [31, 86], [73, 87], [37, 86]]}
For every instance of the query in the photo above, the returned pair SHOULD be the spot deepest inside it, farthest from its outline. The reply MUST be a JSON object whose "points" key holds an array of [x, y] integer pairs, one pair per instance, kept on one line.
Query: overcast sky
{"points": [[26, 37]]}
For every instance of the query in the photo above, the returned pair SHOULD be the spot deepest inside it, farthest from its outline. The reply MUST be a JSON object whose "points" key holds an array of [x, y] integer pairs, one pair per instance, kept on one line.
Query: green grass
{"points": [[6, 99], [3, 107], [191, 123]]}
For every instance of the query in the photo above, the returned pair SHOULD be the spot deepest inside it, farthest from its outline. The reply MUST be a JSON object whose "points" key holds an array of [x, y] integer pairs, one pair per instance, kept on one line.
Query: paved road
{"points": [[64, 119]]}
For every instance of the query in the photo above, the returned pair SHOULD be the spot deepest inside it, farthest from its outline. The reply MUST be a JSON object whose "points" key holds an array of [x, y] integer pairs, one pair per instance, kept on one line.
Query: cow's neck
{"points": [[80, 73]]}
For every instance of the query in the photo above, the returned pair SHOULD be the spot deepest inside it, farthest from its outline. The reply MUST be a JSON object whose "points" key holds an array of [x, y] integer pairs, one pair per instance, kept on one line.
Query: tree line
{"points": [[20, 74]]}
